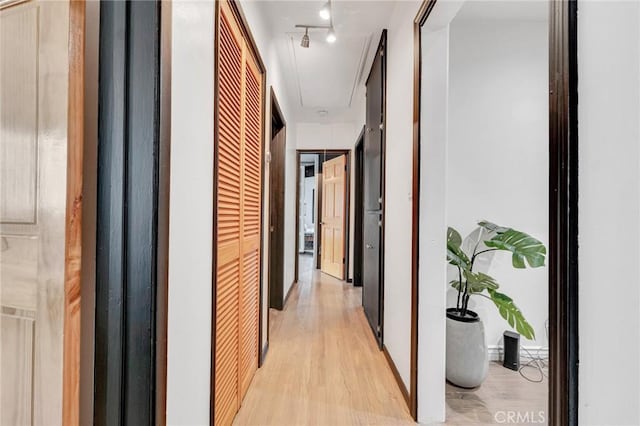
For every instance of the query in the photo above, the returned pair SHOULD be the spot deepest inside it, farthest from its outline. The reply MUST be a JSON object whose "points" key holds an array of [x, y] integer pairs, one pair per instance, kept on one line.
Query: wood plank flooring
{"points": [[323, 366], [504, 393]]}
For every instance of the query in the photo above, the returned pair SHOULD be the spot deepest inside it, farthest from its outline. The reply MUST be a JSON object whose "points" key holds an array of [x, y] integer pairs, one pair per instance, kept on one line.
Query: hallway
{"points": [[323, 366]]}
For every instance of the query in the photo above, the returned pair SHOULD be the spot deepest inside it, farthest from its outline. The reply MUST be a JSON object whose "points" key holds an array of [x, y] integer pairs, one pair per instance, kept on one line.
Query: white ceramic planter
{"points": [[467, 357]]}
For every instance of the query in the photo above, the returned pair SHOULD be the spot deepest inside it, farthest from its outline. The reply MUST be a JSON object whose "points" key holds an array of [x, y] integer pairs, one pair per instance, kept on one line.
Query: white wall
{"points": [[432, 271], [276, 80], [191, 210], [609, 212], [399, 142], [498, 161]]}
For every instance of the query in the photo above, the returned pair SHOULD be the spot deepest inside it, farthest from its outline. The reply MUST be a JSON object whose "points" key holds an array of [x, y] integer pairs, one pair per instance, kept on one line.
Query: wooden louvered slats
{"points": [[238, 217], [251, 201]]}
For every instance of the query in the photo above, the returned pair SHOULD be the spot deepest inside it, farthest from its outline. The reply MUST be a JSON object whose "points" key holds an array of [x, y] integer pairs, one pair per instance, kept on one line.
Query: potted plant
{"points": [[467, 359]]}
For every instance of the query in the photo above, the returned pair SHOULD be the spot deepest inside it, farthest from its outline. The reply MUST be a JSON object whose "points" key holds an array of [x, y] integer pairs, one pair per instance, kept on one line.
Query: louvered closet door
{"points": [[251, 208], [229, 217], [239, 158]]}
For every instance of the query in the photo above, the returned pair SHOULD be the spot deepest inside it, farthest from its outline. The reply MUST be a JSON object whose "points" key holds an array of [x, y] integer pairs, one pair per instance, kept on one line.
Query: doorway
{"points": [[322, 212], [453, 77], [277, 149], [373, 190]]}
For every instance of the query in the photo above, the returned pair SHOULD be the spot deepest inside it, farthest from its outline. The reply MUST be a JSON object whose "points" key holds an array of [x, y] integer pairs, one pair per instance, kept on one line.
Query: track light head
{"points": [[325, 12], [305, 39]]}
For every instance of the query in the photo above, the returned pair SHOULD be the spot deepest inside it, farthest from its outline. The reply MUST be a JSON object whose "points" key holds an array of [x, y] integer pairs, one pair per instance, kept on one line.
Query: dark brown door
{"points": [[372, 276], [276, 221]]}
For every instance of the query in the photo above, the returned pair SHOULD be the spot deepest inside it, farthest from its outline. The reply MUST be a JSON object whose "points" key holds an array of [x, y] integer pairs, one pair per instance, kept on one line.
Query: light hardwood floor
{"points": [[504, 393], [323, 366]]}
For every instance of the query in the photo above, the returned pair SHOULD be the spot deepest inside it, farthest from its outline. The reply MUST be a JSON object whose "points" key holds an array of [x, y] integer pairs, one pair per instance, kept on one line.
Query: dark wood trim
{"points": [[269, 137], [563, 210], [423, 13], [276, 218], [246, 31], [128, 229], [396, 375], [358, 211], [276, 106], [347, 206], [297, 227], [214, 218], [73, 219], [164, 172], [383, 176]]}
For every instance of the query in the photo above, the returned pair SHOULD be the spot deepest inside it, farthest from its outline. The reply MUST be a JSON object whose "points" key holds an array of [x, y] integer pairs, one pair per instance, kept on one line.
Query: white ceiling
{"points": [[513, 10], [325, 77]]}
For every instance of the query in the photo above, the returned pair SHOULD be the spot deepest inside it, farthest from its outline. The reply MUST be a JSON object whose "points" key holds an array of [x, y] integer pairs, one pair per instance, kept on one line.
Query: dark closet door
{"points": [[372, 277], [276, 222]]}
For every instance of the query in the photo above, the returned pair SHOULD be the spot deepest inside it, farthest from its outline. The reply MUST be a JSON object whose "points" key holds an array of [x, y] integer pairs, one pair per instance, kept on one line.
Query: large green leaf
{"points": [[455, 254], [510, 312], [522, 246], [477, 282], [492, 227]]}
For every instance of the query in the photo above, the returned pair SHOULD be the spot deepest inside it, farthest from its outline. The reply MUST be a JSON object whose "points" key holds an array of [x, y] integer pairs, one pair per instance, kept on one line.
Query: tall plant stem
{"points": [[459, 288]]}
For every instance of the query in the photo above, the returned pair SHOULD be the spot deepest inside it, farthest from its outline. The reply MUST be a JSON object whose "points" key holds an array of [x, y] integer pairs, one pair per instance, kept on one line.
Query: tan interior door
{"points": [[34, 73], [333, 216], [238, 226]]}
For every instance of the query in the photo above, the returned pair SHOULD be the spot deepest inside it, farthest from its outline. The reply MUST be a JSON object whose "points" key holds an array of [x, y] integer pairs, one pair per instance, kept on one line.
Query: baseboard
{"points": [[396, 375], [265, 349], [349, 280], [288, 294], [496, 352]]}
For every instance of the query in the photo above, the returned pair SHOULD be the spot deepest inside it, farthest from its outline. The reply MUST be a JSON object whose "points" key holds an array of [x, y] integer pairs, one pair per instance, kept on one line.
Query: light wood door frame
{"points": [[73, 231], [346, 152], [252, 50], [563, 210], [73, 210]]}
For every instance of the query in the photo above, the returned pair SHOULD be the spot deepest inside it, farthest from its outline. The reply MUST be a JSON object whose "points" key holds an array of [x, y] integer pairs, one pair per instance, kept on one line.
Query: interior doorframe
{"points": [[563, 210], [236, 8], [131, 273], [358, 211], [276, 113], [73, 219], [347, 241], [276, 116]]}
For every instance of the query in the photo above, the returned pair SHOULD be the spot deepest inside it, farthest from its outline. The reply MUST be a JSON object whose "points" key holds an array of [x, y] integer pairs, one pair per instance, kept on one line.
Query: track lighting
{"points": [[325, 12], [331, 36], [305, 39]]}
